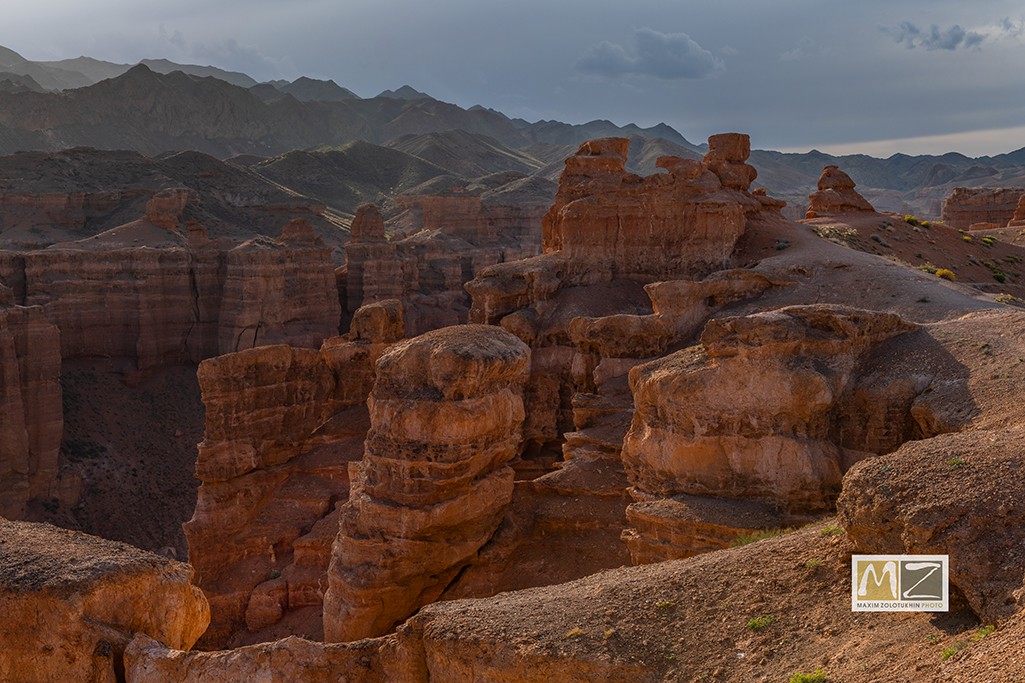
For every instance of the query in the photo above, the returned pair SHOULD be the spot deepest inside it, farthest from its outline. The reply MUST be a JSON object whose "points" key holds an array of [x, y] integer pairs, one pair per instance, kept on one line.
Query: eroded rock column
{"points": [[446, 417]]}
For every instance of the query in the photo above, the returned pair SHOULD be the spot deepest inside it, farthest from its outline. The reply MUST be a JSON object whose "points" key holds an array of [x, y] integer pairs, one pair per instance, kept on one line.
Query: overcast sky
{"points": [[847, 75]]}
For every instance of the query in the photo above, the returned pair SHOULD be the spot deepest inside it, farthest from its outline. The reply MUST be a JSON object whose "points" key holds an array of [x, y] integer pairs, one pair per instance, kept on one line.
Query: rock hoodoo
{"points": [[282, 426], [835, 195], [445, 420]]}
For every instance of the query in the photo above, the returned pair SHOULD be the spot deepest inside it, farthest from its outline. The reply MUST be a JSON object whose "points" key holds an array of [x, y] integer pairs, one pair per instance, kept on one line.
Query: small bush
{"points": [[967, 238], [760, 622], [813, 563], [782, 244], [945, 274], [983, 632], [926, 224], [999, 276], [955, 463], [949, 652], [819, 676], [832, 530], [910, 220], [988, 241]]}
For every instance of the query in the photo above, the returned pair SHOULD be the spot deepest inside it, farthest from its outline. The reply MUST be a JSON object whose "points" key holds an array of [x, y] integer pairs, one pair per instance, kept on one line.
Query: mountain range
{"points": [[158, 106]]}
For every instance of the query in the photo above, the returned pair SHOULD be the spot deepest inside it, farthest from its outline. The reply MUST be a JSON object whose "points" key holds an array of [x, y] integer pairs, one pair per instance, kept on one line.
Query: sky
{"points": [[841, 76]]}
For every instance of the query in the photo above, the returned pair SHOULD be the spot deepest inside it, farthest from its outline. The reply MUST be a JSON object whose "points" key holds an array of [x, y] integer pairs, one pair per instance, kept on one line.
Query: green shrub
{"points": [[760, 622], [910, 220], [818, 677]]}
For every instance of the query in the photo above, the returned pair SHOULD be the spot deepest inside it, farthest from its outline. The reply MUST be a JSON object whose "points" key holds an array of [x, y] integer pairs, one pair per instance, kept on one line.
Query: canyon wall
{"points": [[995, 207], [180, 304], [31, 420], [455, 237], [282, 425]]}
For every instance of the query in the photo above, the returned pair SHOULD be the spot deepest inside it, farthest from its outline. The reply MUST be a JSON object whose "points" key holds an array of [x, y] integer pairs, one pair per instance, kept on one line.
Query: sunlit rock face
{"points": [[446, 417]]}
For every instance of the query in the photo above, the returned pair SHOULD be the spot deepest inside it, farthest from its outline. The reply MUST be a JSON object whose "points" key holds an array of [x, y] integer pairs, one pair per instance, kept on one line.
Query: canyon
{"points": [[503, 428]]}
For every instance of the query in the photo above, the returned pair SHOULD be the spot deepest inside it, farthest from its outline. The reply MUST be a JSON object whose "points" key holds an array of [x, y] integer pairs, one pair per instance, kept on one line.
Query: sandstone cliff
{"points": [[180, 304], [72, 602], [282, 424], [433, 485], [965, 207], [31, 420]]}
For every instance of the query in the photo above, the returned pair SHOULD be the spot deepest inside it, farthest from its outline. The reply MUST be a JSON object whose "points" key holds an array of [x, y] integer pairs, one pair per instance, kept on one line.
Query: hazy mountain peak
{"points": [[406, 92]]}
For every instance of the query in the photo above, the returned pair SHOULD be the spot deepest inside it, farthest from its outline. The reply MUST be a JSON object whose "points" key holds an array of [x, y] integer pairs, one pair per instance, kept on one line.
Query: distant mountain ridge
{"points": [[160, 106], [151, 112]]}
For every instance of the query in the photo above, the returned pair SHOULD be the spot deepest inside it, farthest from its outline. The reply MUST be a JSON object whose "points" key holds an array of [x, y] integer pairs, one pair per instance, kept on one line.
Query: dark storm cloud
{"points": [[951, 38], [668, 56]]}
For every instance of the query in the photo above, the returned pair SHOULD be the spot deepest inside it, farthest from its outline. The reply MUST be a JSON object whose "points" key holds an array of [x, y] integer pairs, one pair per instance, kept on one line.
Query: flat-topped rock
{"points": [[71, 602]]}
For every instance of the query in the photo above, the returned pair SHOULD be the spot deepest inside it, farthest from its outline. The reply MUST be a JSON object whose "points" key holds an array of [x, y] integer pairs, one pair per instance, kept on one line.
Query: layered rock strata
{"points": [[607, 234], [967, 206], [31, 419], [750, 413], [835, 195], [446, 415], [454, 237], [282, 424], [72, 603], [181, 304]]}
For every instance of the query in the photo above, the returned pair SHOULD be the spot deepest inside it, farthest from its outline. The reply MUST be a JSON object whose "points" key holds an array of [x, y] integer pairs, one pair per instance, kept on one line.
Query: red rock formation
{"points": [[278, 291], [1018, 219], [609, 223], [747, 414], [453, 238], [836, 195], [31, 420], [966, 206], [432, 487], [173, 305], [956, 495], [166, 208], [282, 424], [72, 603]]}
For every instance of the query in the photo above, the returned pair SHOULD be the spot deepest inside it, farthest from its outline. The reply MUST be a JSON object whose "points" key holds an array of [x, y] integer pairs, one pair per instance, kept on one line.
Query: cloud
{"points": [[805, 48], [952, 38], [669, 56]]}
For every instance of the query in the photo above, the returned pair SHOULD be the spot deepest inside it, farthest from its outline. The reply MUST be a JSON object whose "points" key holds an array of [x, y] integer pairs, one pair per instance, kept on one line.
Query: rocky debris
{"points": [[966, 206], [72, 603], [31, 418], [446, 414], [835, 195], [747, 415], [956, 494], [282, 426]]}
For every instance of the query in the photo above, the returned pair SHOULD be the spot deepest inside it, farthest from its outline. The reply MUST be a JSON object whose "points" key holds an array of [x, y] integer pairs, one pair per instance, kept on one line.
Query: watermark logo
{"points": [[900, 583]]}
